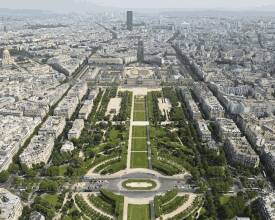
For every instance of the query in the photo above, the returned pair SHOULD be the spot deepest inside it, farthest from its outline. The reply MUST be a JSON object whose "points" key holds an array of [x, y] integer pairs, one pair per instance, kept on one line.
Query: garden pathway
{"points": [[180, 209], [130, 135], [86, 199]]}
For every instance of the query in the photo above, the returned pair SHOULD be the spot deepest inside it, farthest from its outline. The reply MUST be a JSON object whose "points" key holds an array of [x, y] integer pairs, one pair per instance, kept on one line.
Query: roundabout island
{"points": [[139, 184]]}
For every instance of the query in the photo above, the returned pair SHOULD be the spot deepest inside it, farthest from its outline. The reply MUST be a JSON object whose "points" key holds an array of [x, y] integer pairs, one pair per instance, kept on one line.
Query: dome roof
{"points": [[6, 53]]}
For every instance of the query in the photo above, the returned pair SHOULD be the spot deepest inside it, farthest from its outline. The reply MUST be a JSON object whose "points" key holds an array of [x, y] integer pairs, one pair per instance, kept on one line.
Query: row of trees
{"points": [[169, 156], [209, 169], [213, 176], [233, 206], [109, 93], [155, 115], [87, 210], [125, 106], [166, 143], [176, 112], [69, 163]]}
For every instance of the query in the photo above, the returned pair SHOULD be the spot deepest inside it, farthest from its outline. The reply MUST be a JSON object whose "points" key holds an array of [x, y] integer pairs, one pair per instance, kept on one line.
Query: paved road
{"points": [[113, 183]]}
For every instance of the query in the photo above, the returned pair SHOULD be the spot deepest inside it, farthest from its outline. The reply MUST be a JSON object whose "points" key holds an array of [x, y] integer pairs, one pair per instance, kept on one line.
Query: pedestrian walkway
{"points": [[186, 205], [92, 171], [85, 196], [130, 136], [125, 208], [140, 123]]}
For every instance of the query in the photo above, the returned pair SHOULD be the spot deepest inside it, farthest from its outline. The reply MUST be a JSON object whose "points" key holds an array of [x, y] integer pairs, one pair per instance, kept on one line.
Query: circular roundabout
{"points": [[139, 184]]}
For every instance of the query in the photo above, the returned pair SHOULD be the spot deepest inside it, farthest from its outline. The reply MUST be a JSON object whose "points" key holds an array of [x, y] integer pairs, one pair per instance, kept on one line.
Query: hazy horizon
{"points": [[184, 3], [76, 5]]}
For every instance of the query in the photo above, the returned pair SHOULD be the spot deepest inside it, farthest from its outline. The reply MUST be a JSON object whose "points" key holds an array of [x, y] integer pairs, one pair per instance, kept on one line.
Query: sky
{"points": [[185, 3], [71, 5]]}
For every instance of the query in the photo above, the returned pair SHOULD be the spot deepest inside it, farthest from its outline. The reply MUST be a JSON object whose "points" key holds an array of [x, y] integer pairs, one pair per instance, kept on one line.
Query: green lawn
{"points": [[62, 170], [138, 212], [52, 199], [113, 134], [139, 116], [139, 109], [139, 131], [139, 106], [139, 144], [139, 160], [139, 98], [158, 131], [224, 199]]}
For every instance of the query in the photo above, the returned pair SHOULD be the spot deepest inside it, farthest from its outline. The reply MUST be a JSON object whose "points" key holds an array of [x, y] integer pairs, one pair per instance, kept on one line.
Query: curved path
{"points": [[79, 208], [180, 209], [85, 196], [91, 172]]}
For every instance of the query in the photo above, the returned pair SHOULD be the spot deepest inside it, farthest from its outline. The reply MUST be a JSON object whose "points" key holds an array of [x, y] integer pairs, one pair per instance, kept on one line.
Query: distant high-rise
{"points": [[129, 20], [140, 51], [5, 29]]}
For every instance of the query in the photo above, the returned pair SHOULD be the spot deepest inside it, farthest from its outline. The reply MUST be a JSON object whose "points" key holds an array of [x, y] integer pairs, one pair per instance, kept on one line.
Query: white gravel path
{"points": [[181, 208]]}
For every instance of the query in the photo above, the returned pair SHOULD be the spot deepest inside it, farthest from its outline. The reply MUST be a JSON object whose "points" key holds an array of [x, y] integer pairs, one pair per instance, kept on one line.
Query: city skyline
{"points": [[110, 111], [185, 4]]}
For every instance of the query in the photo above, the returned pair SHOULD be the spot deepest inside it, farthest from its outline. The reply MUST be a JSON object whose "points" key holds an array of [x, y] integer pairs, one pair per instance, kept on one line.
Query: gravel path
{"points": [[130, 135], [85, 196], [125, 208], [79, 208], [92, 171], [181, 208]]}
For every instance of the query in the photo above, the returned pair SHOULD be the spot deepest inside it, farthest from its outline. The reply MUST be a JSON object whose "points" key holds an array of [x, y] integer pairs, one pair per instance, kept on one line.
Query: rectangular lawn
{"points": [[139, 160], [139, 116], [139, 106], [139, 131], [139, 144], [138, 212]]}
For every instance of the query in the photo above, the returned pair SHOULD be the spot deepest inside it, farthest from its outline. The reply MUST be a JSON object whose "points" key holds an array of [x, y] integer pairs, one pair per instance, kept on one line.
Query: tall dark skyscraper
{"points": [[129, 20], [140, 51]]}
